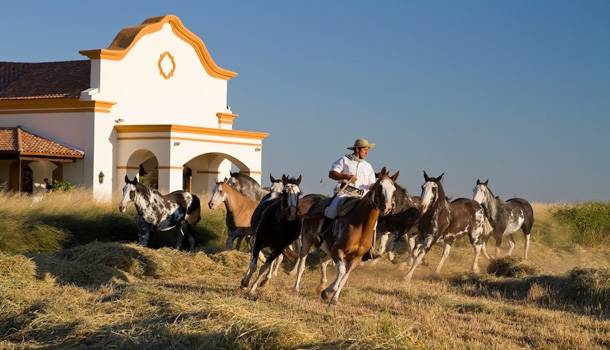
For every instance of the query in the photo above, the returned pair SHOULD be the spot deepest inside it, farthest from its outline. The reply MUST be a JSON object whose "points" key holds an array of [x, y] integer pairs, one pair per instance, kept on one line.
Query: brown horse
{"points": [[447, 221], [239, 210], [353, 233]]}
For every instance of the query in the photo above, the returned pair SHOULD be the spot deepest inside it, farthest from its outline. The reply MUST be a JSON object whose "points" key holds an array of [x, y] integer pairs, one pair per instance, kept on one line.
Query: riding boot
{"points": [[326, 225]]}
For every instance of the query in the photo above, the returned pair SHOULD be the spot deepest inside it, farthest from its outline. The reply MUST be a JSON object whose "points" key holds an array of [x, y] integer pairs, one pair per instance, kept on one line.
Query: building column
{"points": [[170, 178]]}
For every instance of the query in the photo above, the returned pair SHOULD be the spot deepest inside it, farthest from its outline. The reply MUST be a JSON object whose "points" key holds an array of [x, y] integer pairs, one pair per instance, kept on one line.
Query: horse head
{"points": [[277, 186], [218, 195], [431, 190], [480, 191], [382, 192], [129, 193], [290, 196]]}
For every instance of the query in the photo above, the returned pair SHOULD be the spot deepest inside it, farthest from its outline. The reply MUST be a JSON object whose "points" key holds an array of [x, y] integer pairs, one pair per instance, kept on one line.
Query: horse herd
{"points": [[283, 221]]}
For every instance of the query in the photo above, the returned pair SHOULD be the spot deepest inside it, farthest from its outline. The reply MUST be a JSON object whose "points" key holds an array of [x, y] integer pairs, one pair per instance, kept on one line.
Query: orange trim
{"points": [[170, 167], [127, 167], [256, 172], [56, 105], [171, 72], [188, 139], [191, 130], [128, 37], [226, 118]]}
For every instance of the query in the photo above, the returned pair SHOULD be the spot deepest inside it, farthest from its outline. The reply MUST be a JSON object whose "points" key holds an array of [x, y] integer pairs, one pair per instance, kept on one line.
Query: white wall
{"points": [[144, 96]]}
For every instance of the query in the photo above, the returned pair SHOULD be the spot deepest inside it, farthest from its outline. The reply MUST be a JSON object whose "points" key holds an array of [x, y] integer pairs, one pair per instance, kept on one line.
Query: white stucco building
{"points": [[153, 104]]}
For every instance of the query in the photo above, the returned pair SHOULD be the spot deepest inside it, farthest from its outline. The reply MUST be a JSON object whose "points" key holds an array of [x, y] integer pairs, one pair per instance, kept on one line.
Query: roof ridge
{"points": [[19, 143]]}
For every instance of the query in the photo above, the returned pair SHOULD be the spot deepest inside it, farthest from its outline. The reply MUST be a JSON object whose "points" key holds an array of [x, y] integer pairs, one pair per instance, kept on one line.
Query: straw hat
{"points": [[362, 143]]}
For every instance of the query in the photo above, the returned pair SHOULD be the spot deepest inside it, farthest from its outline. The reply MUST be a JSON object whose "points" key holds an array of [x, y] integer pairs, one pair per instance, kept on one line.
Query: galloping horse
{"points": [[279, 226], [239, 211], [157, 212], [442, 220], [505, 217], [401, 222], [353, 233]]}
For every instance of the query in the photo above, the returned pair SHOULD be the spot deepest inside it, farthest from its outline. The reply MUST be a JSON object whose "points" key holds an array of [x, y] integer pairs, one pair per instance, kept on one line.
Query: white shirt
{"points": [[365, 175]]}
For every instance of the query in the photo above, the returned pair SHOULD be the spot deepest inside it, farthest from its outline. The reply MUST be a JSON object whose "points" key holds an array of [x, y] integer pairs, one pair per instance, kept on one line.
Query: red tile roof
{"points": [[44, 80], [24, 143]]}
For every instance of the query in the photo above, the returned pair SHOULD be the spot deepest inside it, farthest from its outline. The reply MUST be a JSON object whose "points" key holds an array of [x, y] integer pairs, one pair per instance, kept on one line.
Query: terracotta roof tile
{"points": [[44, 80], [19, 141]]}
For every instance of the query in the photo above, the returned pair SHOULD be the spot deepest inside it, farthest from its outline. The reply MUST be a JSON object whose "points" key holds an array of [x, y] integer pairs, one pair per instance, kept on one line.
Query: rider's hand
{"points": [[352, 179]]}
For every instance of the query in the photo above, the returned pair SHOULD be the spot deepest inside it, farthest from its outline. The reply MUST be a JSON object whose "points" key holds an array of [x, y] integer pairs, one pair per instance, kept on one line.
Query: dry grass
{"points": [[119, 295]]}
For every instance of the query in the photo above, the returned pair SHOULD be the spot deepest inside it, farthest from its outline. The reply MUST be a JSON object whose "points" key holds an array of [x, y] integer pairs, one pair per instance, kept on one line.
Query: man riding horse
{"points": [[355, 176]]}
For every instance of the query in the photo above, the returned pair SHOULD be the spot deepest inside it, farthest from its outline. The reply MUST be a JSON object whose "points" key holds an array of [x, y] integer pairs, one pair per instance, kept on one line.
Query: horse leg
{"points": [[446, 250], [477, 251], [256, 249], [527, 245], [190, 237], [341, 271], [411, 240], [230, 238], [278, 264], [350, 267], [419, 252], [263, 274], [511, 244], [498, 238], [302, 259], [383, 242], [297, 244]]}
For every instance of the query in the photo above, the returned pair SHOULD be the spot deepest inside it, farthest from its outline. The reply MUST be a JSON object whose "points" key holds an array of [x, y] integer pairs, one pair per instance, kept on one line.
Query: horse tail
{"points": [[194, 211]]}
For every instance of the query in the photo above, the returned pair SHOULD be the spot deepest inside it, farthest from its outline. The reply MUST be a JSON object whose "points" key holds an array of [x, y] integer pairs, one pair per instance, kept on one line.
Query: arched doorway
{"points": [[145, 165], [206, 169]]}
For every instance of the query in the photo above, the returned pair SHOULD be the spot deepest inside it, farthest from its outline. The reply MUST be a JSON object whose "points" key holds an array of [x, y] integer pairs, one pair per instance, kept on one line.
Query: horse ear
{"points": [[225, 180], [478, 182], [383, 172], [440, 177], [284, 178], [426, 177], [233, 174], [486, 182], [126, 179], [395, 176], [377, 175], [135, 180], [299, 180], [271, 178]]}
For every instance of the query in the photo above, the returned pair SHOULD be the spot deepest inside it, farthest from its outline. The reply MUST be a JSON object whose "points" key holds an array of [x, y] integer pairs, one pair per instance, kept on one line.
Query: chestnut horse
{"points": [[353, 233], [239, 210], [447, 221], [505, 217]]}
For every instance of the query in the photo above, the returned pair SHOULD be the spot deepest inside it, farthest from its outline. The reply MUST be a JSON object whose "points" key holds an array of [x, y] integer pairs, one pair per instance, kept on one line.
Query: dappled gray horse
{"points": [[506, 218], [157, 212]]}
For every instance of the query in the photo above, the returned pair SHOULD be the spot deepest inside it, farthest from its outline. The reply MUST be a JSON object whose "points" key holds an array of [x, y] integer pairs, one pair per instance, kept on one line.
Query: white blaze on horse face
{"points": [[293, 192], [218, 196], [479, 194], [428, 195], [276, 189], [387, 189], [127, 189]]}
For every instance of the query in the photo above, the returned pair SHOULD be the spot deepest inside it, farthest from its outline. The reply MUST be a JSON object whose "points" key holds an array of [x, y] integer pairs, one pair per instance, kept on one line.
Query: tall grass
{"points": [[65, 219], [589, 223]]}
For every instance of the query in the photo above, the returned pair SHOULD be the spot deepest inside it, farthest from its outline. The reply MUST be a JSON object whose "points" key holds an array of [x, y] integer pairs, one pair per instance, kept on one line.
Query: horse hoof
{"points": [[244, 284], [325, 295], [263, 283], [333, 301]]}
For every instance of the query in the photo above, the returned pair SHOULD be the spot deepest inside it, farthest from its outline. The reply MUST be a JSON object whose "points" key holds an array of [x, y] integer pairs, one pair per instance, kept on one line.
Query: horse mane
{"points": [[490, 205]]}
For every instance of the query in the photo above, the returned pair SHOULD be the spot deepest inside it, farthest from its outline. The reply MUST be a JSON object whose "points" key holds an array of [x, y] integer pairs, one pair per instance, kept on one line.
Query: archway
{"points": [[145, 165], [206, 169]]}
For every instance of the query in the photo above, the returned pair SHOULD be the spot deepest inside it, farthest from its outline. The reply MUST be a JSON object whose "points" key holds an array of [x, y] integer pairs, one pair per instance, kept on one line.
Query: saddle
{"points": [[347, 205]]}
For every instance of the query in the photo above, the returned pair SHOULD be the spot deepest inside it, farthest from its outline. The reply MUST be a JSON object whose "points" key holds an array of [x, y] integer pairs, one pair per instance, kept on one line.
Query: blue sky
{"points": [[514, 91]]}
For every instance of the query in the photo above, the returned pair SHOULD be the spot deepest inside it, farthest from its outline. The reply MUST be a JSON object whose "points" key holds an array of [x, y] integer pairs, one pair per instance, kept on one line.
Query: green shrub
{"points": [[589, 222], [60, 185]]}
